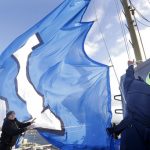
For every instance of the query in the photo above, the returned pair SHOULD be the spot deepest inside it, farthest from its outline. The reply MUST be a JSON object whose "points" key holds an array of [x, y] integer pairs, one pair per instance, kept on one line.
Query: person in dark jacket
{"points": [[11, 130], [135, 127]]}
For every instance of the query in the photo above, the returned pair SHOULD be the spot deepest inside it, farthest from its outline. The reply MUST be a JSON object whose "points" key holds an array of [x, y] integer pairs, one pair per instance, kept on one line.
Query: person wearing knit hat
{"points": [[11, 130], [10, 113]]}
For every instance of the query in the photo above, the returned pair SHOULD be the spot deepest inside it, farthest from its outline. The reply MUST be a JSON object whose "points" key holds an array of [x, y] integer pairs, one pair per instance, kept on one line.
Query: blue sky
{"points": [[17, 16]]}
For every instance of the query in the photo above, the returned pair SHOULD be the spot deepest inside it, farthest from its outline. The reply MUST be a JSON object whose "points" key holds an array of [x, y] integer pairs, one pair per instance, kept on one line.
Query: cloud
{"points": [[145, 34], [107, 21], [111, 29], [108, 26], [143, 6]]}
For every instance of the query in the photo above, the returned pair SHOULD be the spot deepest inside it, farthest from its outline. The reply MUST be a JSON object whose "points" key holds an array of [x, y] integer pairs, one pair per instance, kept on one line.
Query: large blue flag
{"points": [[46, 74]]}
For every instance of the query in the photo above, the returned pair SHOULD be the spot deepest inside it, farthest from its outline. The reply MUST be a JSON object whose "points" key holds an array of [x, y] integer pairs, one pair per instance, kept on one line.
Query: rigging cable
{"points": [[140, 38], [142, 23], [139, 13], [105, 44], [138, 29], [122, 29]]}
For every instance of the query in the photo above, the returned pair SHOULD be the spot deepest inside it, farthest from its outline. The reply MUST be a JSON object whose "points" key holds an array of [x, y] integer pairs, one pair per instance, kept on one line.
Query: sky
{"points": [[104, 37]]}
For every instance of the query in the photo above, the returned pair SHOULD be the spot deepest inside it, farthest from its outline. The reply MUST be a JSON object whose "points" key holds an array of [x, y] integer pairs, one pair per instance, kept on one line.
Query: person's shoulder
{"points": [[6, 123], [16, 120]]}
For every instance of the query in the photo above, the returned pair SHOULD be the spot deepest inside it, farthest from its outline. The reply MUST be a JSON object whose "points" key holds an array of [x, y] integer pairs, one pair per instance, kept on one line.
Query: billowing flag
{"points": [[46, 74]]}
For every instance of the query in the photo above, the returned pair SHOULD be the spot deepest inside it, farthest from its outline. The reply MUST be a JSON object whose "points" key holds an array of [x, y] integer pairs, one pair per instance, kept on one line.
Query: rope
{"points": [[142, 23], [105, 44], [122, 29], [140, 38], [138, 27], [139, 13]]}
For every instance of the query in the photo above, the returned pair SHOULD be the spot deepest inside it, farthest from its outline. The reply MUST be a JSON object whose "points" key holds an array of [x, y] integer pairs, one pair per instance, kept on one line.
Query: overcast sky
{"points": [[17, 16]]}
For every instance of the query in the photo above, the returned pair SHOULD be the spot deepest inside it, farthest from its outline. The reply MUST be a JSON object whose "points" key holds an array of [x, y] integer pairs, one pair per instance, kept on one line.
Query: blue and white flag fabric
{"points": [[46, 74]]}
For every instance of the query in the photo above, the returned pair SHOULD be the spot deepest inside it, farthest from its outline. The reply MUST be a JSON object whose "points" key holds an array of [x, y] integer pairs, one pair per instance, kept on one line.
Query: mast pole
{"points": [[129, 12]]}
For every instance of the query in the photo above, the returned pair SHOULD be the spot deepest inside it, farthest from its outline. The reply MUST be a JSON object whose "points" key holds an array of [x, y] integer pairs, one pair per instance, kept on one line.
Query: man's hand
{"points": [[111, 131], [131, 62], [33, 121]]}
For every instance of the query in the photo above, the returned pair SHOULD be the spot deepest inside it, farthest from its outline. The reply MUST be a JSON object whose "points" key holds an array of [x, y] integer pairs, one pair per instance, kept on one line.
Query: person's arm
{"points": [[117, 129], [23, 125], [122, 125], [11, 131], [129, 77]]}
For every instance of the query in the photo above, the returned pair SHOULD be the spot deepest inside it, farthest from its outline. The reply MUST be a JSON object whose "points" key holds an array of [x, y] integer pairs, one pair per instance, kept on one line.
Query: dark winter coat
{"points": [[11, 130], [135, 127]]}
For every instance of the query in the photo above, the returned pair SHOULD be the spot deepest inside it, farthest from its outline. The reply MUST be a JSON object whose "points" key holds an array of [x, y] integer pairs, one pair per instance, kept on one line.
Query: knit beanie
{"points": [[9, 113]]}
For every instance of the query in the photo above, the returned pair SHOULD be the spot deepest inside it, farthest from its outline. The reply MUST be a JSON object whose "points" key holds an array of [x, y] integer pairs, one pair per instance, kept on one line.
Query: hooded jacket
{"points": [[11, 130], [135, 127], [137, 95]]}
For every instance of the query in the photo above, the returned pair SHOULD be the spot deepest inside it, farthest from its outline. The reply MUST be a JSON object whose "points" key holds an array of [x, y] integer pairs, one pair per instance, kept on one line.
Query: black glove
{"points": [[110, 131]]}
